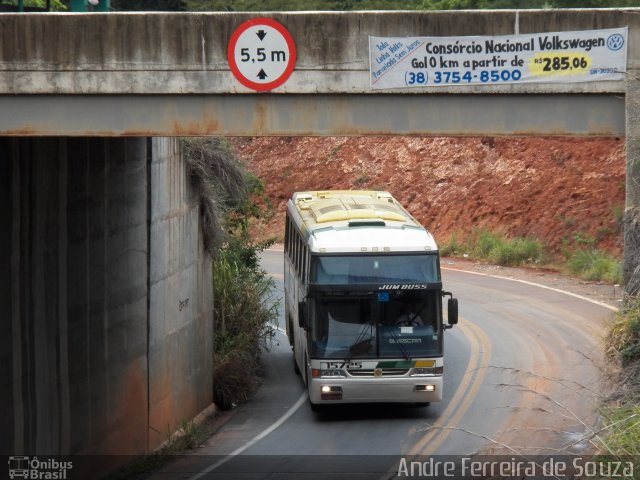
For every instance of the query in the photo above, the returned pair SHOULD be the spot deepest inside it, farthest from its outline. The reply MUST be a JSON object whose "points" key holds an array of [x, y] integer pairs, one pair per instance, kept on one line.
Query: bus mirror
{"points": [[452, 308], [302, 314]]}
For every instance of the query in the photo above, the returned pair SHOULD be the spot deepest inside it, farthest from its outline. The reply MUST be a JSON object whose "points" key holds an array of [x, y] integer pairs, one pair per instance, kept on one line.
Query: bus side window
{"points": [[299, 257], [294, 257], [304, 263], [287, 231]]}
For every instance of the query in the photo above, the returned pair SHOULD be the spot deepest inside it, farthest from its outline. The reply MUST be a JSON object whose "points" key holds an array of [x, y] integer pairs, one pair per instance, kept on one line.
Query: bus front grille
{"points": [[377, 372]]}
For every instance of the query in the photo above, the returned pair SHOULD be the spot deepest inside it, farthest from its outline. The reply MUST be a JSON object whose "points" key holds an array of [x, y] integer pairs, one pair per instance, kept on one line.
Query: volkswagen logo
{"points": [[615, 41]]}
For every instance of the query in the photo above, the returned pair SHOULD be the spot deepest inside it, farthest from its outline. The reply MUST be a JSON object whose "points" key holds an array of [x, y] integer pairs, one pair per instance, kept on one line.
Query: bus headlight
{"points": [[330, 392], [425, 388]]}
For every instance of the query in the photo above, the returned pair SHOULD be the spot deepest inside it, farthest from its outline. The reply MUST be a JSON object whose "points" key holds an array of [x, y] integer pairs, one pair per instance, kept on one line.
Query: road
{"points": [[523, 375]]}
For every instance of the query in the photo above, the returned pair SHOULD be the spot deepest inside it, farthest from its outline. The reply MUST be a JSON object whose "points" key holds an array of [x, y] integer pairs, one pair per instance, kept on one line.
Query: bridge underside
{"points": [[318, 115]]}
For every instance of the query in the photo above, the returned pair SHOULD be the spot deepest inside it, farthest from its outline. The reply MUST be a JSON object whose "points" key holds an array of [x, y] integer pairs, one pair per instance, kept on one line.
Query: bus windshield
{"points": [[366, 327], [375, 269]]}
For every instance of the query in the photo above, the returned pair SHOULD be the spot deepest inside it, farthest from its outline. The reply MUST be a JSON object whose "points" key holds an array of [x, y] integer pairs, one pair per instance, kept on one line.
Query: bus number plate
{"points": [[341, 365]]}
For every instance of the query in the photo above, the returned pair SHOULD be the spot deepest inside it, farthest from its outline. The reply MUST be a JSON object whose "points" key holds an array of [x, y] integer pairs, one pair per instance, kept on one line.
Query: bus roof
{"points": [[357, 221]]}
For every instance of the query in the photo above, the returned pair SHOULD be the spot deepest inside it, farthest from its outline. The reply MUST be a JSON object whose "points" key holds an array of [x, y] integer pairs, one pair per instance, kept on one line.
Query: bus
{"points": [[363, 299]]}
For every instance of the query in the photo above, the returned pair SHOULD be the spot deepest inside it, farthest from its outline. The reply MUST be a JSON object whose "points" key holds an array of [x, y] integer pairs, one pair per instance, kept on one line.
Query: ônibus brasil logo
{"points": [[33, 468]]}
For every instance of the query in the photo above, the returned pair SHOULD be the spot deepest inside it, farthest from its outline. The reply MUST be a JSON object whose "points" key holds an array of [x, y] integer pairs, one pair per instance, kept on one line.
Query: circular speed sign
{"points": [[261, 54]]}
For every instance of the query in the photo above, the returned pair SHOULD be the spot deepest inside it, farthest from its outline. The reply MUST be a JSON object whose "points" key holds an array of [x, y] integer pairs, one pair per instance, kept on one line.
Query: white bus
{"points": [[363, 299]]}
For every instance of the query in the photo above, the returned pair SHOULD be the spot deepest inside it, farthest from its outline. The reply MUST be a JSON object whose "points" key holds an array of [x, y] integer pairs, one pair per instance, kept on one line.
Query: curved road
{"points": [[523, 372]]}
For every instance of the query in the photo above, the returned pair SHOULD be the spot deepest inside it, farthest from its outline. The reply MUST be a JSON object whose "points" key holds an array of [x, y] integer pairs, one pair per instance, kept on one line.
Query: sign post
{"points": [[261, 54]]}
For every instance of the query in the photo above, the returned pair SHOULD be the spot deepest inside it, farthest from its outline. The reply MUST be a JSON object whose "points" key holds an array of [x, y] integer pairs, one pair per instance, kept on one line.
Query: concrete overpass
{"points": [[102, 244]]}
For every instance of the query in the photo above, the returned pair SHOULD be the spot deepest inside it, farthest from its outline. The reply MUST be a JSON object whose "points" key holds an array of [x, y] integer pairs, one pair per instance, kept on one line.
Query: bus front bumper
{"points": [[376, 390]]}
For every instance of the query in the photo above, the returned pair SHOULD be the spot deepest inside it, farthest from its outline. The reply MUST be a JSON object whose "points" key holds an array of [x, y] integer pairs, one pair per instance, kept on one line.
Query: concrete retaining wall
{"points": [[181, 301], [88, 318]]}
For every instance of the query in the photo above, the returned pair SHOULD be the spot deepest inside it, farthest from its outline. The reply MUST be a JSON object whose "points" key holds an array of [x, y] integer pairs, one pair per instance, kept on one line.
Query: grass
{"points": [[187, 436], [220, 182], [622, 413], [623, 335], [583, 260], [517, 251], [452, 248], [593, 264], [622, 431], [483, 244], [618, 214]]}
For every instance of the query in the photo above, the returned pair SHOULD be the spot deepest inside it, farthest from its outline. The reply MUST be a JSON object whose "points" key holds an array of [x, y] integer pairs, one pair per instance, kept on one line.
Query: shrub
{"points": [[622, 415], [517, 251], [484, 242], [220, 182], [452, 247], [486, 245], [244, 309], [623, 335], [595, 265], [244, 315]]}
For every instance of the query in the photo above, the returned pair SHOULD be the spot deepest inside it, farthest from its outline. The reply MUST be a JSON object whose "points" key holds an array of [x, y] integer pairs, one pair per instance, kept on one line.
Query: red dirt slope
{"points": [[559, 190]]}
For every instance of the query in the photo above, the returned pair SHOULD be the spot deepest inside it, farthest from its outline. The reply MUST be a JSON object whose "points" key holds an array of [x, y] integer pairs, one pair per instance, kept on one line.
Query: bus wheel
{"points": [[316, 407]]}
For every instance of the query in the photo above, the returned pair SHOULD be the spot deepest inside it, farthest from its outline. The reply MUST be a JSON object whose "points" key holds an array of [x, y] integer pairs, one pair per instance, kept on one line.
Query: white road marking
{"points": [[257, 438], [586, 299]]}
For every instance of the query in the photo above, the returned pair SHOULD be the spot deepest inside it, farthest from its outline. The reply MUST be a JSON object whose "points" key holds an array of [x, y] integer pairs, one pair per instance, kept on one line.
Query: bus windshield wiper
{"points": [[362, 344]]}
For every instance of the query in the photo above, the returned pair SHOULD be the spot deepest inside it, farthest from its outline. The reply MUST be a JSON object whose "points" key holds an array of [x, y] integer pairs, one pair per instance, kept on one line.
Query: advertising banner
{"points": [[552, 57]]}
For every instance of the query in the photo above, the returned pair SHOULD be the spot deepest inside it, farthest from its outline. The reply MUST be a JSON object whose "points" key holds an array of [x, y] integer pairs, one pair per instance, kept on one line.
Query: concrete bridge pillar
{"points": [[99, 246]]}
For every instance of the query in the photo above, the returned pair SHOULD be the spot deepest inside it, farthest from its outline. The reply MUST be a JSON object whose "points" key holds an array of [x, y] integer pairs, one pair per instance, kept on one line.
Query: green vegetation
{"points": [[55, 5], [244, 307], [452, 248], [345, 5], [483, 244], [582, 258], [622, 344], [187, 436], [622, 430], [221, 182], [618, 214], [595, 265], [245, 312], [329, 5], [517, 251]]}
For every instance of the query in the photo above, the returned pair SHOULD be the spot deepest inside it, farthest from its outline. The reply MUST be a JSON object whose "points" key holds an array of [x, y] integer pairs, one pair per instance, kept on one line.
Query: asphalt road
{"points": [[523, 375]]}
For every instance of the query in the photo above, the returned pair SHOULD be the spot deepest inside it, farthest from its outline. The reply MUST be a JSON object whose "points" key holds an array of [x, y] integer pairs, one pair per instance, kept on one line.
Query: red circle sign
{"points": [[261, 54]]}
